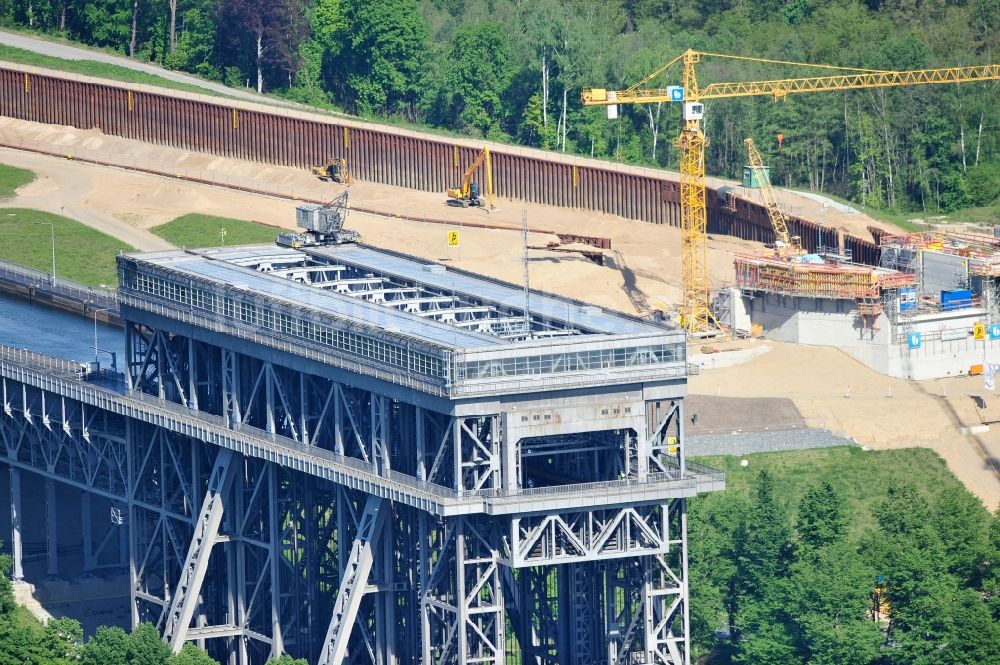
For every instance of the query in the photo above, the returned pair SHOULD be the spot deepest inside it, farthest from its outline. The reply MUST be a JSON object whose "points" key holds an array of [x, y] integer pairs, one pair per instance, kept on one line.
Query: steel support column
{"points": [[354, 582], [186, 595], [16, 548], [275, 560], [51, 529], [86, 524]]}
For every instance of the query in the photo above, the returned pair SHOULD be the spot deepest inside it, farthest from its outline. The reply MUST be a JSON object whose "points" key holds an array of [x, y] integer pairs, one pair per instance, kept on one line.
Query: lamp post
{"points": [[52, 227], [96, 310]]}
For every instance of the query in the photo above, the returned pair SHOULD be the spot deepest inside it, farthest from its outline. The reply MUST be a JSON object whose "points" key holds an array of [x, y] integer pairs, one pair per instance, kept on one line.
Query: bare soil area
{"points": [[641, 272], [832, 390]]}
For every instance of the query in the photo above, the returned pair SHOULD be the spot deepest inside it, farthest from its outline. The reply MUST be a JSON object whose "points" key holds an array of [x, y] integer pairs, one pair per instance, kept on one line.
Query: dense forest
{"points": [[512, 70], [797, 584]]}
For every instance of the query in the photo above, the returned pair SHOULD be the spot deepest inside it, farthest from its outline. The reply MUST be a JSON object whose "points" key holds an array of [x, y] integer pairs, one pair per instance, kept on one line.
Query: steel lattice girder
{"points": [[285, 542], [593, 535]]}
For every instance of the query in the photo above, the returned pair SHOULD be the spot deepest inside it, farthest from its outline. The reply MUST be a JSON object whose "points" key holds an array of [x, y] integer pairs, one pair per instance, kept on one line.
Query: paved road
{"points": [[826, 201], [59, 50]]}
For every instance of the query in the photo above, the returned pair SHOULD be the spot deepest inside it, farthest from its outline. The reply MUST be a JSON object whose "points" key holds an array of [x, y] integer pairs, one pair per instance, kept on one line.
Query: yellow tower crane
{"points": [[779, 223], [695, 314]]}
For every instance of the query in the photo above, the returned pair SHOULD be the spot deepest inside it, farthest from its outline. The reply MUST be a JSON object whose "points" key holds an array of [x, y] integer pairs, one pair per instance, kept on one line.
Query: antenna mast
{"points": [[524, 262]]}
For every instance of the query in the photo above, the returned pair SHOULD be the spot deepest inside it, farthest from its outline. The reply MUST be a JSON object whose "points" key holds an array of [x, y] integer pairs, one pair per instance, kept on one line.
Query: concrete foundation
{"points": [[70, 565], [946, 346]]}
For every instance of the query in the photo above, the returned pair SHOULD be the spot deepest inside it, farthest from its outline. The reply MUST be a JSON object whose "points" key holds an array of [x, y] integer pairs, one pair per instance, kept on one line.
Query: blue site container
{"points": [[957, 299]]}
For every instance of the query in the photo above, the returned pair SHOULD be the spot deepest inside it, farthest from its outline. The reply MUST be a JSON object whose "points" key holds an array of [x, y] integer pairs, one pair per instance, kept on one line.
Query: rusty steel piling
{"points": [[380, 154]]}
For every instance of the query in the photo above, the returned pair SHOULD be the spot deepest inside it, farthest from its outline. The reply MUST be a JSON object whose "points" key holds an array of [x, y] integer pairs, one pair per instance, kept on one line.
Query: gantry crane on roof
{"points": [[695, 314], [783, 242]]}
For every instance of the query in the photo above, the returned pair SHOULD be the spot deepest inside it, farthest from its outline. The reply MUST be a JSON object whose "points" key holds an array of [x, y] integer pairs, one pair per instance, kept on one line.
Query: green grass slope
{"points": [[11, 178], [196, 230], [859, 476], [82, 254], [92, 68]]}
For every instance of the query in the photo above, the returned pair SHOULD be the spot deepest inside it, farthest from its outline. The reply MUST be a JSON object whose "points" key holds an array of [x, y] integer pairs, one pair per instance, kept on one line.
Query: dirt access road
{"points": [[64, 188], [68, 52], [644, 261]]}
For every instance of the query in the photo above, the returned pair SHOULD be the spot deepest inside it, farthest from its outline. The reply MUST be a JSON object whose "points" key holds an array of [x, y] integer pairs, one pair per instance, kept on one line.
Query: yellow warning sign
{"points": [[453, 238], [979, 331]]}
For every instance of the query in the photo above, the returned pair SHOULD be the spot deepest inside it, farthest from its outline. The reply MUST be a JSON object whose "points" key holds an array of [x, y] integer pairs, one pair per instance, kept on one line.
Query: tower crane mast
{"points": [[695, 314]]}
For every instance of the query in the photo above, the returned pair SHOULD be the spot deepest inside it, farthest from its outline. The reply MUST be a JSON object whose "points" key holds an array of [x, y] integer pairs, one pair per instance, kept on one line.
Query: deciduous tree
{"points": [[482, 72], [107, 646], [145, 647], [191, 655], [388, 45]]}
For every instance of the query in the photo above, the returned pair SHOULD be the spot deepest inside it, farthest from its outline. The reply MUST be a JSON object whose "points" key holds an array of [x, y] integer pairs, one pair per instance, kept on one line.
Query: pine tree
{"points": [[763, 546], [821, 519], [963, 526]]}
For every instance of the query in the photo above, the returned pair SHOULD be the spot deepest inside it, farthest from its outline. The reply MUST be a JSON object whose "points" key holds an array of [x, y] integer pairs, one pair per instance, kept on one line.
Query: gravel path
{"points": [[63, 187], [68, 52]]}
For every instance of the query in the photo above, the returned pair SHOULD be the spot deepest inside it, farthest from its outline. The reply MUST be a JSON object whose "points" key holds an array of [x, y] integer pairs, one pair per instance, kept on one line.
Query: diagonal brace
{"points": [[206, 530], [352, 586]]}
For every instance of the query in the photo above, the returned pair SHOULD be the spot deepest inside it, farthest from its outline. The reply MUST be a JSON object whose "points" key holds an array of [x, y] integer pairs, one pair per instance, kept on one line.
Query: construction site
{"points": [[465, 413], [928, 311]]}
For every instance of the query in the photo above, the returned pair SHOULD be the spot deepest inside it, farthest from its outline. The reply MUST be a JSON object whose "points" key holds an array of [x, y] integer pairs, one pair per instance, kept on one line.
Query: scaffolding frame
{"points": [[982, 251], [865, 285], [815, 280]]}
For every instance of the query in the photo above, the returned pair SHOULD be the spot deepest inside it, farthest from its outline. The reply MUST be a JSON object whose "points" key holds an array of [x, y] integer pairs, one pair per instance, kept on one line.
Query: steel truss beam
{"points": [[253, 560], [420, 299], [591, 535]]}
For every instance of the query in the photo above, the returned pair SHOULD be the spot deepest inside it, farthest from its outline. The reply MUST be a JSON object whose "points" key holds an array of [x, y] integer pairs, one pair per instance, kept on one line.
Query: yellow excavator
{"points": [[784, 244], [335, 170], [468, 194]]}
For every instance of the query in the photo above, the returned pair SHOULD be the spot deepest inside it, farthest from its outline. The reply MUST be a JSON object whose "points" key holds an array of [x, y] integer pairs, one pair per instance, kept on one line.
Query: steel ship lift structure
{"points": [[354, 456]]}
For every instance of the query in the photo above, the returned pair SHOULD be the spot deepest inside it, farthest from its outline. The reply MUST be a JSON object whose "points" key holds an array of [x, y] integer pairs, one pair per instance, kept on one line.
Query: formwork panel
{"points": [[943, 272]]}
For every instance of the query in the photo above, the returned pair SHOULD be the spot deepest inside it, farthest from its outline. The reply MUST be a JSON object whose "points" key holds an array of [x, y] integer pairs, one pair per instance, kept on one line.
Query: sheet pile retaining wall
{"points": [[375, 153]]}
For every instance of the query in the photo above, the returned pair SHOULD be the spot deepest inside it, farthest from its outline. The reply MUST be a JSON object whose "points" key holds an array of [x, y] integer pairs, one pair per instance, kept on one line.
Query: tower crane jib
{"points": [[695, 314]]}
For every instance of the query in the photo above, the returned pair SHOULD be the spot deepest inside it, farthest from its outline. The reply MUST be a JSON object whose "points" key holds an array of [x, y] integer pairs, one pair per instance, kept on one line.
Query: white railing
{"points": [[18, 274], [39, 361]]}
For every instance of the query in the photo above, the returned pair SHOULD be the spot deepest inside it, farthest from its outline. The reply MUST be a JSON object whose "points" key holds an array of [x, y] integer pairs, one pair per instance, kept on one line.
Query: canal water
{"points": [[57, 333]]}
